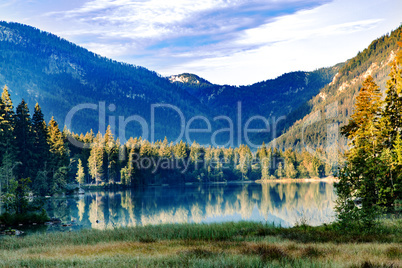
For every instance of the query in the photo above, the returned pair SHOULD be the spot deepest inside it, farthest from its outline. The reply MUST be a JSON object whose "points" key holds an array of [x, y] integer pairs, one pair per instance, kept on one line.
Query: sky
{"points": [[235, 42]]}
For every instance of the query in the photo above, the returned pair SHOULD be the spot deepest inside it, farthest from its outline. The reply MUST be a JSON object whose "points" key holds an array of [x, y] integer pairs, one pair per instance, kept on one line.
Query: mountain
{"points": [[59, 75], [310, 124], [273, 99]]}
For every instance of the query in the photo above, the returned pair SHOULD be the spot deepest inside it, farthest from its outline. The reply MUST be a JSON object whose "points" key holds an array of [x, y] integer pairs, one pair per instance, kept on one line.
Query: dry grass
{"points": [[245, 246]]}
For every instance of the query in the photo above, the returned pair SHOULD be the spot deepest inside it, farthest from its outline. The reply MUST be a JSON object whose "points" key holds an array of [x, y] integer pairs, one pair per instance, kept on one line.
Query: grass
{"points": [[243, 244]]}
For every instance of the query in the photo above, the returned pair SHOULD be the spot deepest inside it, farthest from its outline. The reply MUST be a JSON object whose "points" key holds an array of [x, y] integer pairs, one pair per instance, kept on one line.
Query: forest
{"points": [[39, 160], [370, 181], [40, 156]]}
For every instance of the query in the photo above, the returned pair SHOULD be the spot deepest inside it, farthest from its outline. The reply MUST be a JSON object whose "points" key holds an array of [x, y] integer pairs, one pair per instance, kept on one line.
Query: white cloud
{"points": [[225, 41], [306, 40]]}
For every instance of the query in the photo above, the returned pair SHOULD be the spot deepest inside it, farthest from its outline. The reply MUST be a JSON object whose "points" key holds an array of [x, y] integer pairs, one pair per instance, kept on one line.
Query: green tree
{"points": [[245, 158], [393, 101], [7, 125], [80, 176], [164, 150], [59, 157], [96, 158], [280, 173], [111, 156], [290, 164], [359, 177], [24, 141], [40, 143]]}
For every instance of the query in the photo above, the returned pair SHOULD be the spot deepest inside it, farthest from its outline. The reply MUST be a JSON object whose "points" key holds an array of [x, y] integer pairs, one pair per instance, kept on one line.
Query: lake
{"points": [[280, 203]]}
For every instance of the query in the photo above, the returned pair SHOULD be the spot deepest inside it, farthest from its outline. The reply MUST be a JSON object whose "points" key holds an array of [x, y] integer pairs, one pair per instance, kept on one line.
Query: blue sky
{"points": [[233, 42]]}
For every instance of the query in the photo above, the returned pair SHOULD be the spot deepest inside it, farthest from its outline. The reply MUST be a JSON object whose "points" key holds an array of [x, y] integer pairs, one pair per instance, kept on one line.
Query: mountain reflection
{"points": [[275, 202]]}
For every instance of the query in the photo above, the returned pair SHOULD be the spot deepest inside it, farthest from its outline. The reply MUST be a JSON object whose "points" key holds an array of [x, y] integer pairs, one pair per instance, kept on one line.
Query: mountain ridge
{"points": [[44, 68], [341, 92]]}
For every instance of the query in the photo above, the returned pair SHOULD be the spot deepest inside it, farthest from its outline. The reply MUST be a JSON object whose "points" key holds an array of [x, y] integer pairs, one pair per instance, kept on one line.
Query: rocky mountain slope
{"points": [[333, 105]]}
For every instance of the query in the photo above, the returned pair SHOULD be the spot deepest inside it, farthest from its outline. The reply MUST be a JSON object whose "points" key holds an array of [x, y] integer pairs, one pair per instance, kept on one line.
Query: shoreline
{"points": [[283, 180], [287, 180]]}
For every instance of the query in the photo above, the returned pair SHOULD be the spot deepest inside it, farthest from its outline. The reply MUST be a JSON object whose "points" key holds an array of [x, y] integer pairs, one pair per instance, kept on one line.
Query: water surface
{"points": [[280, 203]]}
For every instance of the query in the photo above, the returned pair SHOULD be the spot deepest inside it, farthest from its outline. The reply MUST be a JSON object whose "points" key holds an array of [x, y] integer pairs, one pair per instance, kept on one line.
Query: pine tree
{"points": [[393, 103], [59, 158], [111, 156], [146, 149], [96, 159], [80, 176], [8, 104], [290, 164], [24, 141], [245, 158], [279, 171], [264, 162], [7, 124], [359, 179], [128, 172], [228, 155], [164, 150], [396, 173], [181, 150], [40, 146]]}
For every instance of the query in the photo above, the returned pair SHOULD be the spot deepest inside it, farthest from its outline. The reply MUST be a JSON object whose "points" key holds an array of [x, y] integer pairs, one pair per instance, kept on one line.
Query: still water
{"points": [[280, 203]]}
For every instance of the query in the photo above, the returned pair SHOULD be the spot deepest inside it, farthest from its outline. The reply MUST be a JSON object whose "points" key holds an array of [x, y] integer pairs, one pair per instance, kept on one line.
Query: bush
{"points": [[9, 219]]}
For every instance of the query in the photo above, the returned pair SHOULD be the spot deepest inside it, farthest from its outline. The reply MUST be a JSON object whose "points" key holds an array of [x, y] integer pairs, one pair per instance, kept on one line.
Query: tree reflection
{"points": [[278, 202]]}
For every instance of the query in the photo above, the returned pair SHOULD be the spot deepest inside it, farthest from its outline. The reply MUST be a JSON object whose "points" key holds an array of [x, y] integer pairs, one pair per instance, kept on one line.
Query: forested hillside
{"points": [[41, 67], [271, 98], [335, 103], [38, 158]]}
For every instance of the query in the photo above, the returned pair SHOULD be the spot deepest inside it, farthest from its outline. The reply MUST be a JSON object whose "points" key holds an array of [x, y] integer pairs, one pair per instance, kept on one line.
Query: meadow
{"points": [[242, 244]]}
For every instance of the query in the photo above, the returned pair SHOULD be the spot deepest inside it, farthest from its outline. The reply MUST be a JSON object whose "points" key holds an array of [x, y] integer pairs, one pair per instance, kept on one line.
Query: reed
{"points": [[242, 244]]}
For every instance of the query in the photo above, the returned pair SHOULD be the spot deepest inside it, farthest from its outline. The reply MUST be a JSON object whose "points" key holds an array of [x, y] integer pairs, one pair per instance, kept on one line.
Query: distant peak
{"points": [[187, 78]]}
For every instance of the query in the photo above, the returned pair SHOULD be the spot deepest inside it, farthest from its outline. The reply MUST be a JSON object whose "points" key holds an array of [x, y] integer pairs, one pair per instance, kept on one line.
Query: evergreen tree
{"points": [[40, 144], [128, 172], [80, 176], [181, 150], [96, 159], [280, 173], [24, 141], [290, 164], [359, 179], [396, 174], [111, 159], [59, 161], [7, 124], [264, 161], [245, 158], [393, 103], [164, 150]]}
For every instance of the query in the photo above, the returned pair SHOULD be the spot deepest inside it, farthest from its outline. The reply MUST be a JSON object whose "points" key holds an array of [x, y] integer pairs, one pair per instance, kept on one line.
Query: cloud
{"points": [[6, 4], [175, 31], [160, 19], [225, 41], [305, 40]]}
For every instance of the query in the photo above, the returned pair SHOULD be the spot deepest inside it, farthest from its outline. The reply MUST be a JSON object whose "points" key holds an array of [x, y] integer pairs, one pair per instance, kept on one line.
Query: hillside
{"points": [[41, 67], [271, 99], [340, 93]]}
